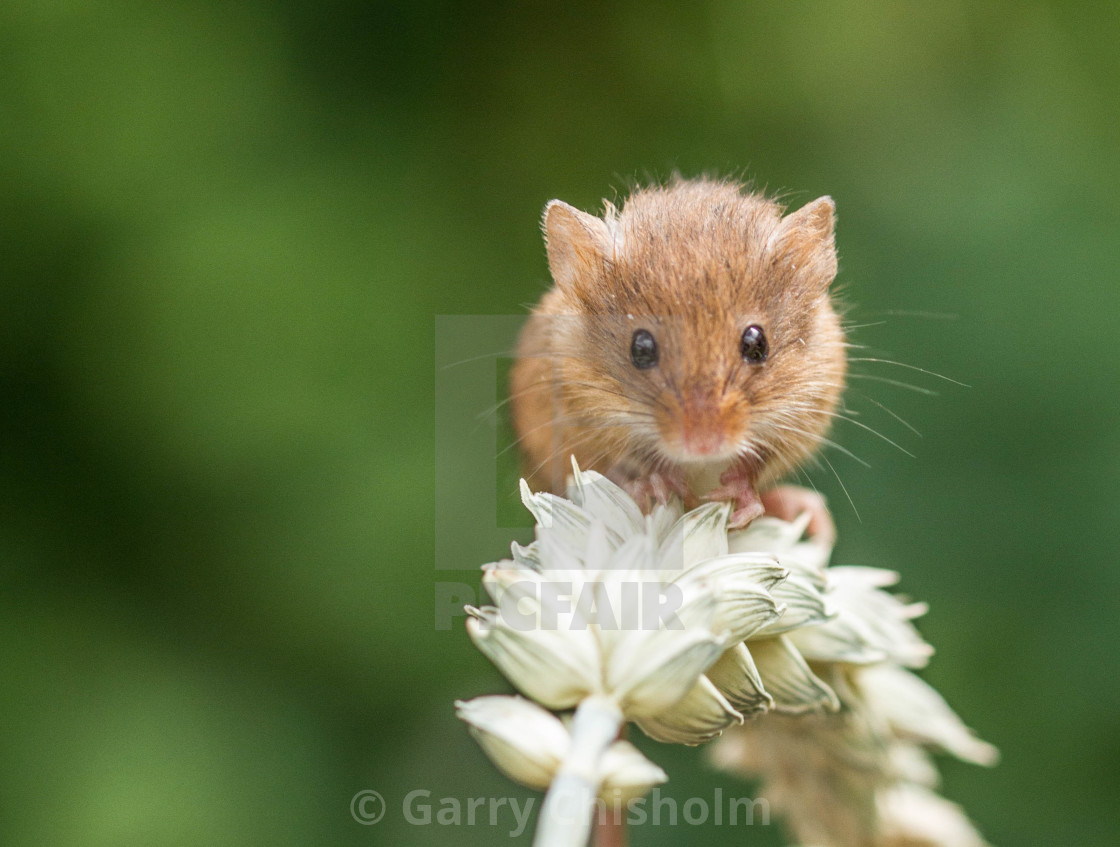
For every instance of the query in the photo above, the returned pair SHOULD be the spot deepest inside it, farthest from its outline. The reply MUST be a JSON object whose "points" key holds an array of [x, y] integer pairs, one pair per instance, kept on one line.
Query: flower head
{"points": [[528, 744], [675, 622]]}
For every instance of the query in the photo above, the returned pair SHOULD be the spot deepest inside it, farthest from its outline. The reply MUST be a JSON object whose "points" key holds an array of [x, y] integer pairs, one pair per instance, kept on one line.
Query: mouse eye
{"points": [[753, 345], [643, 350]]}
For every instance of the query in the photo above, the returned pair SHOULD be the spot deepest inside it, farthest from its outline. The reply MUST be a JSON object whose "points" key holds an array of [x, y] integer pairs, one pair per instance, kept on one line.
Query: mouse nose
{"points": [[700, 440], [701, 429]]}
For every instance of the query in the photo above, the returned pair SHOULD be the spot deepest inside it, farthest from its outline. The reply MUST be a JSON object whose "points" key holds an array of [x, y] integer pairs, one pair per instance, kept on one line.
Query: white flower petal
{"points": [[523, 740], [810, 559], [567, 521], [557, 551], [788, 679], [498, 578], [652, 671], [697, 535], [627, 774], [598, 547], [912, 815], [743, 606], [782, 540], [760, 568], [634, 554], [555, 668], [703, 714], [805, 606], [881, 619], [767, 534], [837, 640], [526, 556], [662, 518], [755, 568], [596, 495], [738, 679], [857, 575], [913, 764], [529, 599], [917, 712], [628, 597]]}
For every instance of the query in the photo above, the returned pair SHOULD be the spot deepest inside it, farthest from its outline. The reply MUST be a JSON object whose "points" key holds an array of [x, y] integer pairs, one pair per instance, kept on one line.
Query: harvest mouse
{"points": [[689, 345]]}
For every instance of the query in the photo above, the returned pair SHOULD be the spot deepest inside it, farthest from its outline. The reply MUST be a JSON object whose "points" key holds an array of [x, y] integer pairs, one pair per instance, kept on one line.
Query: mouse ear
{"points": [[578, 244], [804, 239]]}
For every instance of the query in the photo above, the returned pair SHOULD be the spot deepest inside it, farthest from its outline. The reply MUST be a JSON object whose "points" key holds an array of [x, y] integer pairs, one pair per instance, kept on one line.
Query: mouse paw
{"points": [[737, 486], [656, 488], [788, 502]]}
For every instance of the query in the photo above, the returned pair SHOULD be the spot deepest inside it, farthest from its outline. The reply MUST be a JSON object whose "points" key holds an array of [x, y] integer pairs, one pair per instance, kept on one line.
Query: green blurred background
{"points": [[226, 229]]}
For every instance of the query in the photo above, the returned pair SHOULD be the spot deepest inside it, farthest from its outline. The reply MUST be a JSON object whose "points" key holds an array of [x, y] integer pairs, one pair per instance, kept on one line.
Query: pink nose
{"points": [[701, 441]]}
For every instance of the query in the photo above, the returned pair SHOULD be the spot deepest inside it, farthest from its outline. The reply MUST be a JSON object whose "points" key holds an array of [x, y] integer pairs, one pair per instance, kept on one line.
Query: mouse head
{"points": [[701, 321]]}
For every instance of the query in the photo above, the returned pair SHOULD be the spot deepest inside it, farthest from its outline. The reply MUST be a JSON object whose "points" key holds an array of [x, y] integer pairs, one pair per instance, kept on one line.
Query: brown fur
{"points": [[695, 263]]}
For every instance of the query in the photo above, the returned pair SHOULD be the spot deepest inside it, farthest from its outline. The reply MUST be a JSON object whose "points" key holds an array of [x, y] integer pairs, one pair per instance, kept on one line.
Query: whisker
{"points": [[843, 487], [912, 368], [873, 431], [933, 316], [490, 410], [558, 421], [566, 448], [498, 355], [897, 417], [897, 383], [825, 441], [853, 327]]}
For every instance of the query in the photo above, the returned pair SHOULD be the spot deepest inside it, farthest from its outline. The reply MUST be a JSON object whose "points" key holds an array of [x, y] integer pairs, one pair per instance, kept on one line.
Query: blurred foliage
{"points": [[225, 230]]}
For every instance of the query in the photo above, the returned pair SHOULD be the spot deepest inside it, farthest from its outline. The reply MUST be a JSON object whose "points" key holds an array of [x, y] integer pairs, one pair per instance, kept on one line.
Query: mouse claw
{"points": [[745, 514], [648, 491], [659, 487], [670, 484], [737, 487], [788, 502]]}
